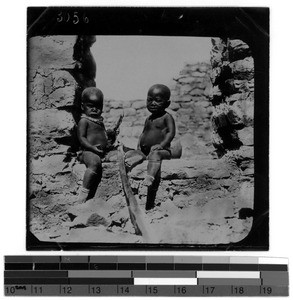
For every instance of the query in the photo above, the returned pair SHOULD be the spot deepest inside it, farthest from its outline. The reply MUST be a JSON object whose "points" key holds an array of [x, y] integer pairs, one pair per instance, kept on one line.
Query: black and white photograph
{"points": [[149, 133]]}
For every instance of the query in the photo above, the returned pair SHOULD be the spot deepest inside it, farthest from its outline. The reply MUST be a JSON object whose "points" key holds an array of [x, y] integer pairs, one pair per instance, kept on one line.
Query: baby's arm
{"points": [[170, 124], [81, 134], [139, 139]]}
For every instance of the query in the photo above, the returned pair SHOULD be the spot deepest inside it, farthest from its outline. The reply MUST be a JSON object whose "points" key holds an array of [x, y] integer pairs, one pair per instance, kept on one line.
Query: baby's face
{"points": [[157, 100], [93, 106]]}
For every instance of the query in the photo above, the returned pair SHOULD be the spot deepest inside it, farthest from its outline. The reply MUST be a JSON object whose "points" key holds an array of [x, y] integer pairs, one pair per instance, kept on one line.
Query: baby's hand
{"points": [[99, 149], [78, 65], [156, 147]]}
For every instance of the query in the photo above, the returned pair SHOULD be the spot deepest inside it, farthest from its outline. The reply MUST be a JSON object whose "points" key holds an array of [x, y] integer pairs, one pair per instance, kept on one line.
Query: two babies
{"points": [[154, 143]]}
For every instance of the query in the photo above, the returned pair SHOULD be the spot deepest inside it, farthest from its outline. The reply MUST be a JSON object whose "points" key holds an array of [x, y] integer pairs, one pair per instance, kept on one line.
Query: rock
{"points": [[90, 213], [131, 131], [116, 104], [249, 171], [235, 116], [96, 220], [246, 136], [78, 170], [236, 97], [116, 112], [174, 106], [138, 104], [130, 142], [116, 203], [215, 91], [62, 97], [198, 74], [238, 50], [129, 112], [48, 165], [233, 86], [196, 92], [49, 51], [217, 52], [243, 69], [185, 169], [126, 104], [186, 80], [51, 122]]}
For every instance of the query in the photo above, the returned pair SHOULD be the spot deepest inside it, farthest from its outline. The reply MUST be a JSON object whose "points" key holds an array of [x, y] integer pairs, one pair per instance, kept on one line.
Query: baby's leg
{"points": [[133, 158], [152, 192], [155, 160], [92, 175]]}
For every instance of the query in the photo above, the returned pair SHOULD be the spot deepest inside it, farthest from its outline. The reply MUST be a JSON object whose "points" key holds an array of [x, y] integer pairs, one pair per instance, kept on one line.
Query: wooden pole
{"points": [[137, 216]]}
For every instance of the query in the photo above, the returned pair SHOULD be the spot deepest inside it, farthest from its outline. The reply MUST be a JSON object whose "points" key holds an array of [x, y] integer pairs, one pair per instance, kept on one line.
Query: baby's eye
{"points": [[159, 100]]}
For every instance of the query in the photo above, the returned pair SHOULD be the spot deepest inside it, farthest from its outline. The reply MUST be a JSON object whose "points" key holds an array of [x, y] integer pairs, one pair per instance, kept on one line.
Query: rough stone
{"points": [[51, 122], [174, 106], [246, 136], [138, 104], [243, 69], [50, 165], [238, 50], [186, 169], [116, 104], [129, 112], [49, 51], [116, 112]]}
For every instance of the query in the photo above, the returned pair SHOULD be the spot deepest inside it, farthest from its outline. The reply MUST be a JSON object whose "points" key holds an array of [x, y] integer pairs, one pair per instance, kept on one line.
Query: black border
{"points": [[250, 24]]}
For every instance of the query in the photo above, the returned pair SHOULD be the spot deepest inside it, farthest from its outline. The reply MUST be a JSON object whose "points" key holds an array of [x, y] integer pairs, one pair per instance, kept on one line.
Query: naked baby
{"points": [[93, 140], [155, 141]]}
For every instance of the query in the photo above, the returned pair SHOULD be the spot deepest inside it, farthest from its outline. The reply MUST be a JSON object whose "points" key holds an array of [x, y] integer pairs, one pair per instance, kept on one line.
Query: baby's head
{"points": [[158, 98], [92, 102]]}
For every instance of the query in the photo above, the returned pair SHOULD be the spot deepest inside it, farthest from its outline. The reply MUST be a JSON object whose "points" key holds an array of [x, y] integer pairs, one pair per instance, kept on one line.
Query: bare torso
{"points": [[95, 134], [154, 132]]}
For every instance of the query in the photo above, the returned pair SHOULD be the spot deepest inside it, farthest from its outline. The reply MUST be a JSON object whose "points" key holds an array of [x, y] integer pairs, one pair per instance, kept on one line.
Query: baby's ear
{"points": [[82, 106], [167, 103]]}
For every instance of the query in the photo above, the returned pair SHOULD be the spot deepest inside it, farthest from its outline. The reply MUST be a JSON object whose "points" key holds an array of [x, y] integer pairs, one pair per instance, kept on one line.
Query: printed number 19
{"points": [[266, 290]]}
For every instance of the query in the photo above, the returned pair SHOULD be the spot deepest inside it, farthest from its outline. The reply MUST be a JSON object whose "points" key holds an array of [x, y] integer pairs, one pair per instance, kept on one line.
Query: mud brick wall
{"points": [[232, 95]]}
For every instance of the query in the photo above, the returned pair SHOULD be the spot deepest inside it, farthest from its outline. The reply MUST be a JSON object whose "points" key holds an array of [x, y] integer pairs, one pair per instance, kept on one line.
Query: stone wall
{"points": [[190, 107], [51, 96], [232, 96]]}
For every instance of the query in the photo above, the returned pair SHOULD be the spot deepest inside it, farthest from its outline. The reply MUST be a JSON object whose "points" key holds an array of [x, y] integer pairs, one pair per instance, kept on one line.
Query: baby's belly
{"points": [[99, 138], [149, 139]]}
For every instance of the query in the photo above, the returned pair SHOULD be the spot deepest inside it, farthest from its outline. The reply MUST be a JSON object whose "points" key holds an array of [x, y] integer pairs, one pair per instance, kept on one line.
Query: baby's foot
{"points": [[83, 195], [130, 162], [148, 181]]}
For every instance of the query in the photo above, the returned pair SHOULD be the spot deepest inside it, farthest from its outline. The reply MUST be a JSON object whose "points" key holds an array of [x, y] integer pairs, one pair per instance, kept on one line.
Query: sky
{"points": [[128, 65]]}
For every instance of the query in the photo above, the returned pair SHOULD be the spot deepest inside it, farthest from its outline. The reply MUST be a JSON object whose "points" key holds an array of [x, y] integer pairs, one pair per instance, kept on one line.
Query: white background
{"points": [[13, 124]]}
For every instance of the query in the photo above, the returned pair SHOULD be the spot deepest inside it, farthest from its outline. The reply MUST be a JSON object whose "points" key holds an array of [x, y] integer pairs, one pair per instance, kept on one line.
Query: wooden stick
{"points": [[136, 215]]}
